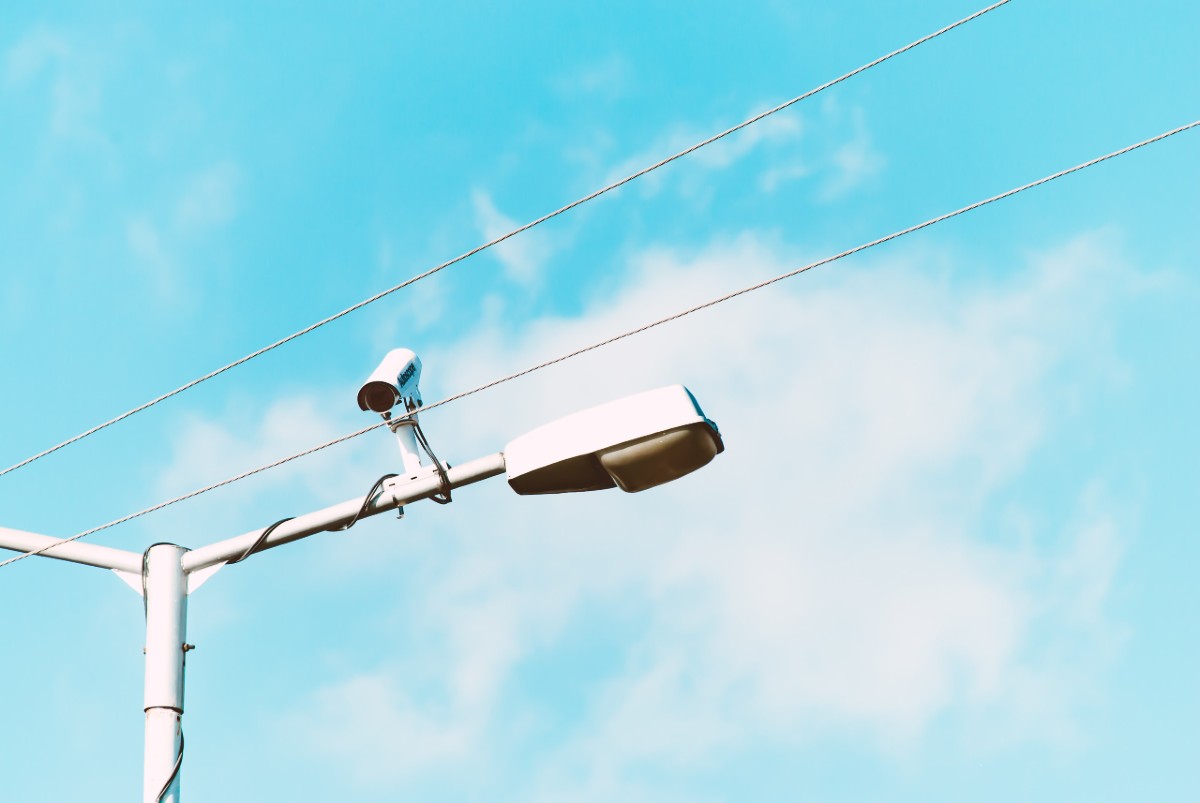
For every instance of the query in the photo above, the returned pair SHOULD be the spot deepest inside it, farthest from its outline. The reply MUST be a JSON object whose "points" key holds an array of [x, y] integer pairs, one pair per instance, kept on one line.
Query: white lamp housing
{"points": [[633, 443]]}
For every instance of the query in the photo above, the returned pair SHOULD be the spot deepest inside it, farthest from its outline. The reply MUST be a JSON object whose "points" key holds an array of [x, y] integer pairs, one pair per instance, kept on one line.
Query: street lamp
{"points": [[633, 443]]}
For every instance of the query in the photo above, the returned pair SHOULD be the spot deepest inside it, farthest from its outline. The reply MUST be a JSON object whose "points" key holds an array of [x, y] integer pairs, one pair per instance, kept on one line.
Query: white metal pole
{"points": [[166, 634], [164, 572], [407, 439], [105, 557], [320, 521]]}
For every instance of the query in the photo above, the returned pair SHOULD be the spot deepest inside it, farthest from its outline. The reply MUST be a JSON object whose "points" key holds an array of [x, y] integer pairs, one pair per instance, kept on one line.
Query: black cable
{"points": [[366, 503], [145, 591], [265, 533], [146, 572], [175, 770], [254, 547], [444, 497]]}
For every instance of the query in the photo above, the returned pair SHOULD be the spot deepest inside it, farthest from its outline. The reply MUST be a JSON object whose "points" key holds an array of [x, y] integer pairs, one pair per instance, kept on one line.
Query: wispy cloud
{"points": [[363, 719], [841, 572], [74, 76], [37, 50], [157, 267], [608, 78], [771, 134], [208, 450], [852, 163], [828, 146], [210, 198], [207, 201], [523, 256]]}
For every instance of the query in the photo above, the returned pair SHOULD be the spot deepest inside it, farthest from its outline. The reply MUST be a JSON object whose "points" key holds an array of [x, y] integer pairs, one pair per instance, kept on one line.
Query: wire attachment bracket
{"points": [[411, 437]]}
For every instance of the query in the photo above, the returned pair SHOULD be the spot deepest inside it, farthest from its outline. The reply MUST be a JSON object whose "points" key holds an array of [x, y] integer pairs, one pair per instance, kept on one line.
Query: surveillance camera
{"points": [[394, 381]]}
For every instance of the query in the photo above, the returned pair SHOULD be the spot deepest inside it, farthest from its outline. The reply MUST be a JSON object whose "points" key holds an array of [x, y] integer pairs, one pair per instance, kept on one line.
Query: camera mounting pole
{"points": [[167, 574], [396, 382], [159, 576], [405, 430], [633, 443], [166, 593]]}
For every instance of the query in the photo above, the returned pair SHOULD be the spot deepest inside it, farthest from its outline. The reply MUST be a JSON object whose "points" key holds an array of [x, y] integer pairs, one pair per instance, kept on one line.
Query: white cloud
{"points": [[34, 52], [16, 300], [366, 718], [828, 145], [773, 134], [523, 256], [208, 451], [779, 128], [146, 244], [419, 306], [608, 78], [852, 163], [838, 575], [207, 201], [783, 172], [210, 198], [837, 570], [75, 80]]}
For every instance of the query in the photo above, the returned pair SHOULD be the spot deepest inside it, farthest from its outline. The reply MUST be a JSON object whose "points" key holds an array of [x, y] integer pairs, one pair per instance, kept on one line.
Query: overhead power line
{"points": [[630, 333], [589, 197]]}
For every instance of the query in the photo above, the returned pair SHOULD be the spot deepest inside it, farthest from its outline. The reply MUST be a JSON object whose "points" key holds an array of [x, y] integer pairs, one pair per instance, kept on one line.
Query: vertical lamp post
{"points": [[634, 443]]}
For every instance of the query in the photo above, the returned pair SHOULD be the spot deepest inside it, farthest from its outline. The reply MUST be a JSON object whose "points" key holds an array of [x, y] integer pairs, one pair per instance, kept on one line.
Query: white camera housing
{"points": [[394, 381]]}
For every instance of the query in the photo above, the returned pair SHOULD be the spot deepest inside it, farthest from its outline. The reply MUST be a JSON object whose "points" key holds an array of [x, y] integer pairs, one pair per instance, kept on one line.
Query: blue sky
{"points": [[947, 554]]}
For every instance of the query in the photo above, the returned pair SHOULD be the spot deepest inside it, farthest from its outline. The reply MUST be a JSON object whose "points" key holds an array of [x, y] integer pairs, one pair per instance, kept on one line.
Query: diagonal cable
{"points": [[591, 196], [622, 336]]}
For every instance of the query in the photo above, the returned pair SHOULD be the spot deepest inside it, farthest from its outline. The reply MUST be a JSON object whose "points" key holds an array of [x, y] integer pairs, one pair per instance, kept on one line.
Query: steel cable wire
{"points": [[630, 333], [526, 227]]}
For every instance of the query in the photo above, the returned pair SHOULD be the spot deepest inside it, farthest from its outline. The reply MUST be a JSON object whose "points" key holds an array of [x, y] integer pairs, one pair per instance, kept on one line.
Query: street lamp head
{"points": [[633, 443], [394, 381]]}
